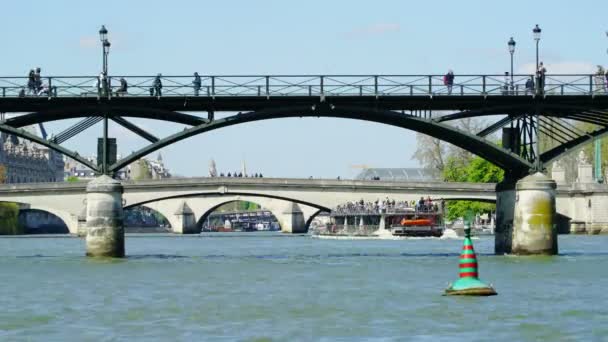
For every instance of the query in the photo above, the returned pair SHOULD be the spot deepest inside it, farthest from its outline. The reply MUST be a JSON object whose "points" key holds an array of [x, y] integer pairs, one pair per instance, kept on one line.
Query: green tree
{"points": [[72, 179], [2, 174], [9, 223], [478, 170]]}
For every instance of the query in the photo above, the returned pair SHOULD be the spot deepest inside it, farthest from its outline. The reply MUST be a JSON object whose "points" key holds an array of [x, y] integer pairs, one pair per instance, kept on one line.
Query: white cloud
{"points": [[374, 30]]}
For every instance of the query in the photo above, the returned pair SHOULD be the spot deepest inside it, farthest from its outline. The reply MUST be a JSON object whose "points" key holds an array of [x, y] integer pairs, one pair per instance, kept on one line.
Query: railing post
{"points": [[411, 90], [213, 85], [360, 90], [260, 90], [322, 90], [208, 93], [461, 90], [376, 85], [50, 87], [483, 81], [430, 85], [561, 89], [590, 84], [267, 85], [309, 90], [3, 92]]}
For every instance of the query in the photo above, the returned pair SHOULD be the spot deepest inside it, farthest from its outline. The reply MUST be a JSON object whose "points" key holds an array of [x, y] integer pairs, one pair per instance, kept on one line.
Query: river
{"points": [[274, 287]]}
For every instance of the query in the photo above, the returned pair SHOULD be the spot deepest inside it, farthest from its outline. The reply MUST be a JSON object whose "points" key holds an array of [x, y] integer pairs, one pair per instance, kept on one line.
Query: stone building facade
{"points": [[142, 169], [27, 162]]}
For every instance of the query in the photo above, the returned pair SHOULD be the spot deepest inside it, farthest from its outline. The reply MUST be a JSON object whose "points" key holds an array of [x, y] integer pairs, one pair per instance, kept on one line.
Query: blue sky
{"points": [[289, 37]]}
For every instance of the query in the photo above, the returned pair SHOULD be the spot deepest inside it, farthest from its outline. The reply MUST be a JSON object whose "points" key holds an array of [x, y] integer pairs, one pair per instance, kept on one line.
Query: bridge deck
{"points": [[239, 93]]}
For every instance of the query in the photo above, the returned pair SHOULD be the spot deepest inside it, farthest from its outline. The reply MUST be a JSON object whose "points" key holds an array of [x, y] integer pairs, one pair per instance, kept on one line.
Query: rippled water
{"points": [[272, 287]]}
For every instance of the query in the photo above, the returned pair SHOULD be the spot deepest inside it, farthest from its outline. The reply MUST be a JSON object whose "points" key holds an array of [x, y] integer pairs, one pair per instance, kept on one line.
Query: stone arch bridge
{"points": [[184, 201], [294, 202]]}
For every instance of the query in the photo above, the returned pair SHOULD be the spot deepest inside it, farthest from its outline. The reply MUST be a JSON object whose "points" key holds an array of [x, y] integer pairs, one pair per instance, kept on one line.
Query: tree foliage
{"points": [[2, 174], [9, 219], [72, 179], [477, 170]]}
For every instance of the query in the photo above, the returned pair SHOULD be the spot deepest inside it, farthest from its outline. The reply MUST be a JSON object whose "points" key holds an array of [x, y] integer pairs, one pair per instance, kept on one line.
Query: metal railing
{"points": [[318, 85]]}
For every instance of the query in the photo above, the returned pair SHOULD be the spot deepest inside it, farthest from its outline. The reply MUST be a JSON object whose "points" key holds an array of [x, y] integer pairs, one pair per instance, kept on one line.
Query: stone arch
{"points": [[69, 220], [143, 223], [200, 220], [36, 221]]}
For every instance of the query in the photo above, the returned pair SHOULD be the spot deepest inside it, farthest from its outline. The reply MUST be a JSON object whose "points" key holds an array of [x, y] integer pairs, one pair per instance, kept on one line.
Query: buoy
{"points": [[468, 283]]}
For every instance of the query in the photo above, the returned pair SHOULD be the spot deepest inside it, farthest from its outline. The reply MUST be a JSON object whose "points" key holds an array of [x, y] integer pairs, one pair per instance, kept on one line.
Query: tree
{"points": [[2, 174], [432, 153], [478, 170], [72, 179]]}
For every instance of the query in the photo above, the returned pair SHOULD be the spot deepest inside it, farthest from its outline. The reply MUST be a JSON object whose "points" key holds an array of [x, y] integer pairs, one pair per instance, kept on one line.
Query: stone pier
{"points": [[292, 219], [105, 230], [534, 222], [505, 210], [185, 221]]}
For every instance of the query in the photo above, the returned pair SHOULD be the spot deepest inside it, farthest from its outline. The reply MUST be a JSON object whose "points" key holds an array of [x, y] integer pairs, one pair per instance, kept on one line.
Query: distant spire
{"points": [[212, 169], [160, 158], [244, 168]]}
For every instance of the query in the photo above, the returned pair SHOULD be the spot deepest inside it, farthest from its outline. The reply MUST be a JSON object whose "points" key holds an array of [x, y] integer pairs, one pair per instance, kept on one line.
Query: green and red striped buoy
{"points": [[468, 283]]}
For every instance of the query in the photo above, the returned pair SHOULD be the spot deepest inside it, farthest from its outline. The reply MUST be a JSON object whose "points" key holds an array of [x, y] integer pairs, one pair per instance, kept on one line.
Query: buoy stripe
{"points": [[467, 256], [468, 247], [467, 264], [468, 274]]}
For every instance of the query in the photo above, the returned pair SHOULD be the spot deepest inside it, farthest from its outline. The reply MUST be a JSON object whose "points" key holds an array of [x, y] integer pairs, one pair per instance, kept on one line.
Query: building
{"points": [[27, 162], [142, 169], [400, 174]]}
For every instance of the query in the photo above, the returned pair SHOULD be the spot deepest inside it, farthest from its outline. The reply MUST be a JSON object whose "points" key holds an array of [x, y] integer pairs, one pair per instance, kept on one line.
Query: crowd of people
{"points": [[241, 175], [388, 205]]}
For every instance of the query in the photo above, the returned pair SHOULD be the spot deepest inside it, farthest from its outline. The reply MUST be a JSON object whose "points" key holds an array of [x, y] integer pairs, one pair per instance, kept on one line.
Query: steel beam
{"points": [[135, 129]]}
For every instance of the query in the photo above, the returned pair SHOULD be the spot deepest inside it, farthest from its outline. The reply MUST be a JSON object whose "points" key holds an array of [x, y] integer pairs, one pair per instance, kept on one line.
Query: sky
{"points": [[293, 37]]}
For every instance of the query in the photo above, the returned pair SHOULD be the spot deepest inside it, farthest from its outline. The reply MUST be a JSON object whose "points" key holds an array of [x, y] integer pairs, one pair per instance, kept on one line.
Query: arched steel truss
{"points": [[433, 127]]}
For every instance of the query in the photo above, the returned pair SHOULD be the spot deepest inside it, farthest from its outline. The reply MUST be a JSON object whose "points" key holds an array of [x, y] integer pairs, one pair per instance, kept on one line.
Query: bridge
{"points": [[422, 103], [186, 202], [293, 201]]}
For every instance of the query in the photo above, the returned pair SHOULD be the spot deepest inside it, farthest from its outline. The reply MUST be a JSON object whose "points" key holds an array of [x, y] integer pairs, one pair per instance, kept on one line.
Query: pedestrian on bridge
{"points": [[196, 84], [157, 86], [31, 87], [122, 90], [529, 86], [540, 74], [448, 81]]}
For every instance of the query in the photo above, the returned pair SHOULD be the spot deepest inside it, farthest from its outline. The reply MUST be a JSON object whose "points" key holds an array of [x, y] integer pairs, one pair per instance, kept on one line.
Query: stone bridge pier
{"points": [[526, 216]]}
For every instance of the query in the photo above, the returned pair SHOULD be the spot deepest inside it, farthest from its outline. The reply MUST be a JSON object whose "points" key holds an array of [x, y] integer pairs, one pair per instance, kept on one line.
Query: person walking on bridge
{"points": [[196, 84], [157, 86], [540, 75], [448, 81]]}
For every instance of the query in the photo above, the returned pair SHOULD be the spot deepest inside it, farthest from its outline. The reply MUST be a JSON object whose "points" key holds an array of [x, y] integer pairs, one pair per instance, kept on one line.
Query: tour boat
{"points": [[390, 222]]}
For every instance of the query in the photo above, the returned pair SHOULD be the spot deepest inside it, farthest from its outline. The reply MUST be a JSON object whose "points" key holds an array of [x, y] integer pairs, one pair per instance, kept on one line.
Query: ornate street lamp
{"points": [[105, 45], [536, 32], [511, 45]]}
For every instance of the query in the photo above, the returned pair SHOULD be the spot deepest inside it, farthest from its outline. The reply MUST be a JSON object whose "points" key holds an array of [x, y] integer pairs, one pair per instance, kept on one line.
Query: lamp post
{"points": [[536, 32], [539, 88], [105, 46], [511, 45]]}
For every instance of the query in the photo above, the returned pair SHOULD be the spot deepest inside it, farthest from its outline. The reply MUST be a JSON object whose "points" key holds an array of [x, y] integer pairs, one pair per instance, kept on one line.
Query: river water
{"points": [[273, 287]]}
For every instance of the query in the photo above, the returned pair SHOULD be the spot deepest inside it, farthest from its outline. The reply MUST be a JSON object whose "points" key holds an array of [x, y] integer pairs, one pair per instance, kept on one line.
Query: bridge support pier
{"points": [[534, 228], [105, 230], [185, 222], [292, 219], [505, 210]]}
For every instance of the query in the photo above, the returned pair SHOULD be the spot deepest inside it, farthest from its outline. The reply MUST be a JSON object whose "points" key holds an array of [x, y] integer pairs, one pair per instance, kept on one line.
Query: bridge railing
{"points": [[317, 85]]}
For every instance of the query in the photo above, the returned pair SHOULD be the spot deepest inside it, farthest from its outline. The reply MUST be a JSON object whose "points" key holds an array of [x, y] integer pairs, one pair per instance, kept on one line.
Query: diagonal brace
{"points": [[134, 128]]}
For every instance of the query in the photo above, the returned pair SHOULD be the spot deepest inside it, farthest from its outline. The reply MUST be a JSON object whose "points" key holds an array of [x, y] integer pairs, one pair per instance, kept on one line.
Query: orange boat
{"points": [[417, 222]]}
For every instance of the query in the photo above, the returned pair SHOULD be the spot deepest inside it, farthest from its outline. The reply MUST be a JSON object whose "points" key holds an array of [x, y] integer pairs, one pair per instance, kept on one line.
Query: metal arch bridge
{"points": [[408, 101]]}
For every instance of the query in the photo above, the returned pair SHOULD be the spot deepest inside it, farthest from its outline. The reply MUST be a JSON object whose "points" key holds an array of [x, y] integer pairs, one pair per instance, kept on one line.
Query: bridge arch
{"points": [[69, 220], [273, 209], [470, 142]]}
